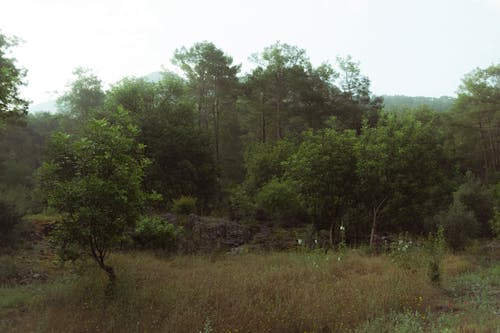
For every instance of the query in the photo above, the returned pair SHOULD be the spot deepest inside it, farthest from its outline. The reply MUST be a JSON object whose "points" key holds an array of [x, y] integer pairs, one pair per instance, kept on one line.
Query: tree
{"points": [[181, 152], [280, 66], [374, 170], [85, 94], [264, 161], [477, 120], [213, 82], [356, 102], [11, 78], [94, 181], [323, 169], [418, 172]]}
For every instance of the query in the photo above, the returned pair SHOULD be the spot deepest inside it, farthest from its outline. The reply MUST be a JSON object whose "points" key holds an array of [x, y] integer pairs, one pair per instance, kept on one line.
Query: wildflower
{"points": [[299, 241]]}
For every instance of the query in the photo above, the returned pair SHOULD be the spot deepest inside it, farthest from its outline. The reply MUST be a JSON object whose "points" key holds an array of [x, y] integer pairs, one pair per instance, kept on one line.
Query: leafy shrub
{"points": [[436, 248], [9, 219], [184, 205], [477, 199], [241, 205], [279, 199], [157, 233], [459, 225]]}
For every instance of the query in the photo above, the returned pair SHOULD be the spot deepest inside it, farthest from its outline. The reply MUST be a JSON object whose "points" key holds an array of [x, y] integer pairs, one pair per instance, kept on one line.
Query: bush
{"points": [[157, 233], [436, 248], [184, 205], [279, 199], [478, 200], [459, 225], [9, 219], [241, 205]]}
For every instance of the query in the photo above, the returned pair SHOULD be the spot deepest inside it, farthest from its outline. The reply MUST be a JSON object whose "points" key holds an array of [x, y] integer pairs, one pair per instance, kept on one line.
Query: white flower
{"points": [[299, 241], [342, 228]]}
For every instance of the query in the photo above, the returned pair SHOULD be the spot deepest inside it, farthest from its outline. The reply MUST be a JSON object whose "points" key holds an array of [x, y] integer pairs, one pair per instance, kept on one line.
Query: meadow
{"points": [[295, 291]]}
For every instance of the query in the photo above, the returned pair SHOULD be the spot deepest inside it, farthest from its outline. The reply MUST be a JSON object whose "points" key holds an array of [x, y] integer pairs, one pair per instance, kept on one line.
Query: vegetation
{"points": [[95, 183], [281, 292], [378, 207], [11, 78]]}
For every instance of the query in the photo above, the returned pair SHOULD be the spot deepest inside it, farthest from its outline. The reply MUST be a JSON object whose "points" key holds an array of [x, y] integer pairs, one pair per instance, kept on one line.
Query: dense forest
{"points": [[288, 144]]}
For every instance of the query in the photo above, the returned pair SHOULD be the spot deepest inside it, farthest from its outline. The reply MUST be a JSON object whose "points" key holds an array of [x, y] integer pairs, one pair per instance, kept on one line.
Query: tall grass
{"points": [[276, 292]]}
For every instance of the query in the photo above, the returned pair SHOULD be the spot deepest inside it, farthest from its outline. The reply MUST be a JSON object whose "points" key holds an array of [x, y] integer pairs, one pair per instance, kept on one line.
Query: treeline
{"points": [[400, 102], [287, 143]]}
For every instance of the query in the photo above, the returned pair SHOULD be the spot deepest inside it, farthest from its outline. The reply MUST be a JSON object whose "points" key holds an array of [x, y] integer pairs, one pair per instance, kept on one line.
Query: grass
{"points": [[268, 292], [277, 292]]}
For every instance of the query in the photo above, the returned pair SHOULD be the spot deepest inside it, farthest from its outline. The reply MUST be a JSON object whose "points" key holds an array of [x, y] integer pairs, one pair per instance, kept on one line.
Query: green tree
{"points": [[181, 152], [477, 120], [271, 84], [214, 84], [85, 94], [374, 170], [476, 198], [419, 169], [94, 181], [264, 162], [11, 78], [324, 171], [356, 102]]}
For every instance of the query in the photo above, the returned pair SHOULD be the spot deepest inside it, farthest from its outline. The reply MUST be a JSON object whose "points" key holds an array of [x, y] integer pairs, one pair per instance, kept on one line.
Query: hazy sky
{"points": [[418, 47]]}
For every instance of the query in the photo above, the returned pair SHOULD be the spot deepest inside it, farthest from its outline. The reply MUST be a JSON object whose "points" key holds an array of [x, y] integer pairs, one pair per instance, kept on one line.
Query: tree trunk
{"points": [[374, 221], [111, 273]]}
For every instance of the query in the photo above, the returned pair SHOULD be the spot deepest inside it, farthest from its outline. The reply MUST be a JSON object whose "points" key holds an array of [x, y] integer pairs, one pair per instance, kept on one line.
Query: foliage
{"points": [[279, 199], [156, 233], [477, 120], [11, 78], [184, 205], [436, 247], [264, 161], [459, 225], [94, 181], [214, 87], [477, 199], [85, 94], [181, 153], [240, 204], [322, 169], [399, 103]]}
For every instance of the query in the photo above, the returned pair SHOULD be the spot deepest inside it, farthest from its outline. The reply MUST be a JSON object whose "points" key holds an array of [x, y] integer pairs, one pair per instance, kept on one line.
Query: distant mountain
{"points": [[49, 106], [401, 102]]}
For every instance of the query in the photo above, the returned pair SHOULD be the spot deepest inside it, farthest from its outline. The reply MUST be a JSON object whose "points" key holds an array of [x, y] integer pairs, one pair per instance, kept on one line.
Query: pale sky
{"points": [[416, 48]]}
